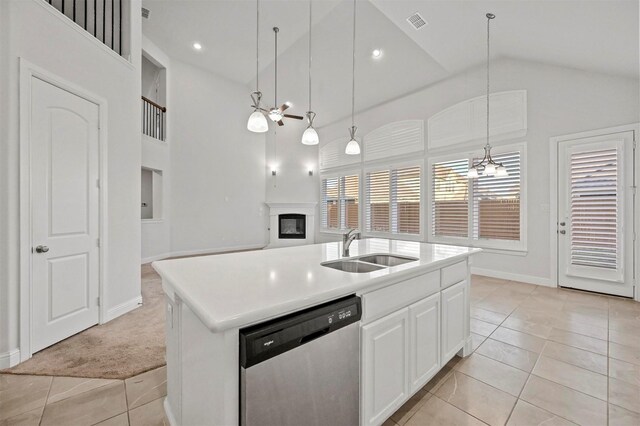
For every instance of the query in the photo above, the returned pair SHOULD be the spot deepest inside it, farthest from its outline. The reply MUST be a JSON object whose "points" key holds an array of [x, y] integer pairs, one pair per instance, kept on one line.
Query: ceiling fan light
{"points": [[353, 148], [257, 122], [275, 115], [472, 173], [310, 137], [501, 171]]}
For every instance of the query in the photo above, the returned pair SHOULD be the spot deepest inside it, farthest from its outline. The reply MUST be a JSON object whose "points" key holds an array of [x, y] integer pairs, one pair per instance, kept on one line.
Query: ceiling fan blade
{"points": [[284, 106], [280, 123], [297, 117]]}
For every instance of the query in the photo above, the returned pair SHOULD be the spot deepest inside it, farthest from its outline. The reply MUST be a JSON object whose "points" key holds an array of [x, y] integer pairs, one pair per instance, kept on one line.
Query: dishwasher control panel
{"points": [[263, 341]]}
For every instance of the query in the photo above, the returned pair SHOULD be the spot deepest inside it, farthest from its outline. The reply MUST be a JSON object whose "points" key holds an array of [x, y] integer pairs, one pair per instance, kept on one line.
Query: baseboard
{"points": [[9, 359], [123, 308], [168, 412], [530, 279], [202, 251]]}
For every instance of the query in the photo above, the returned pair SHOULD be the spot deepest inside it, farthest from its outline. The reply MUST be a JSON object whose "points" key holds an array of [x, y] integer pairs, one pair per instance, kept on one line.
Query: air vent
{"points": [[145, 13], [416, 21]]}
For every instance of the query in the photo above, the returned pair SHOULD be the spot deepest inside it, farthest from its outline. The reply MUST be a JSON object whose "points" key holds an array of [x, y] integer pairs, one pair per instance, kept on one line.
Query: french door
{"points": [[595, 213]]}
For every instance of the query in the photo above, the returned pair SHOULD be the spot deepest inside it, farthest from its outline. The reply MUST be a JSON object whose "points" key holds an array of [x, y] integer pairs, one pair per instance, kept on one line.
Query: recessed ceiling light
{"points": [[376, 53], [197, 46]]}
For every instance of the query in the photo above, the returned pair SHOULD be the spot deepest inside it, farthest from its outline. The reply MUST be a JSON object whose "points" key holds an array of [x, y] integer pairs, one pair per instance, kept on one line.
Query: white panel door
{"points": [[424, 341], [385, 369], [453, 320], [65, 214], [595, 214]]}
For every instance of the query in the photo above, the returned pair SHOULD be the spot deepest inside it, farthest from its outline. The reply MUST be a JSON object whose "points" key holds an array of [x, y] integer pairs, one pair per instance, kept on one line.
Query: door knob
{"points": [[563, 231], [42, 249], [562, 223]]}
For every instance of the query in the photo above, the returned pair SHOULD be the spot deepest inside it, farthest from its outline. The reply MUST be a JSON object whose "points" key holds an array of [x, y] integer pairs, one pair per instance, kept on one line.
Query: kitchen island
{"points": [[414, 315]]}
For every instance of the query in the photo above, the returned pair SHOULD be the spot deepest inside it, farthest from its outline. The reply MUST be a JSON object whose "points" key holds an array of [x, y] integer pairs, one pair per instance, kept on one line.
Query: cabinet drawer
{"points": [[454, 274], [396, 296]]}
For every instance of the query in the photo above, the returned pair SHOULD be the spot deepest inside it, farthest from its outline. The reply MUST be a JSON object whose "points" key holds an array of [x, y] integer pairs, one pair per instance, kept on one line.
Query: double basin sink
{"points": [[368, 263]]}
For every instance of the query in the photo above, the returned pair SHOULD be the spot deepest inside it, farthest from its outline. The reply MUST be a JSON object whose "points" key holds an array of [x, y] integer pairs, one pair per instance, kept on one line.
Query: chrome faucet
{"points": [[347, 239]]}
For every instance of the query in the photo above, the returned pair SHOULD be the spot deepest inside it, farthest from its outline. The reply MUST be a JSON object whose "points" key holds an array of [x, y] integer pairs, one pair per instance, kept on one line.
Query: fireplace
{"points": [[292, 226]]}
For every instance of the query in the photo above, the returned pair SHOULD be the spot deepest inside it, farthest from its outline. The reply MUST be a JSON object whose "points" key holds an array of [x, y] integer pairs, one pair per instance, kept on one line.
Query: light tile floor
{"points": [[541, 356]]}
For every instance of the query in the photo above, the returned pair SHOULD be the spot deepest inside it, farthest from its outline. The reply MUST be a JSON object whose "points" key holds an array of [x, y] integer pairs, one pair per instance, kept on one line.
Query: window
{"points": [[340, 202], [485, 212], [393, 201]]}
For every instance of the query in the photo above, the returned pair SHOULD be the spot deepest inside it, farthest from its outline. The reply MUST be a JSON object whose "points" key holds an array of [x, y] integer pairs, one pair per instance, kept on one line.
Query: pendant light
{"points": [[310, 136], [487, 166], [353, 147], [257, 122]]}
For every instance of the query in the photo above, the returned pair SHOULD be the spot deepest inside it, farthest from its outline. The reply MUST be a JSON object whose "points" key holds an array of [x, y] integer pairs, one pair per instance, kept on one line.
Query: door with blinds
{"points": [[595, 214]]}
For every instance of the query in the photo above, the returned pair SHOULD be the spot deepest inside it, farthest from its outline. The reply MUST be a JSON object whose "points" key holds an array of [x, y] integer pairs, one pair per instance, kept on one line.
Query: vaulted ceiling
{"points": [[598, 35]]}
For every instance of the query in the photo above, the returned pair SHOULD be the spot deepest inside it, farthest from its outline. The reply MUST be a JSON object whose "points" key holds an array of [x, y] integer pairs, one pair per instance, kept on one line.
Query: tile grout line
{"points": [[45, 401]]}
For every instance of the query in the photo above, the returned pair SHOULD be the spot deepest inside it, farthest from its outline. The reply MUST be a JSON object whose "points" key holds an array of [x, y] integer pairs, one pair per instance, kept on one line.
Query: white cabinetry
{"points": [[424, 341], [454, 326], [385, 362], [410, 330]]}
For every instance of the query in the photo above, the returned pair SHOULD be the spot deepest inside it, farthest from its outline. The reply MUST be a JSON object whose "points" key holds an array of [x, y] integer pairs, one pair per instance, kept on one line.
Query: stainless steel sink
{"points": [[387, 259], [352, 266], [368, 263]]}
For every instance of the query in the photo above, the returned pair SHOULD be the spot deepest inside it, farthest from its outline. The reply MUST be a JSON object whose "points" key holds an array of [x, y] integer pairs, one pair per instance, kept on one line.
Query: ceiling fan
{"points": [[275, 114]]}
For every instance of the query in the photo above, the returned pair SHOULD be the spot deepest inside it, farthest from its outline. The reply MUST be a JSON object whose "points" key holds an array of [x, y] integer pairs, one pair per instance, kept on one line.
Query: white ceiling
{"points": [[599, 35]]}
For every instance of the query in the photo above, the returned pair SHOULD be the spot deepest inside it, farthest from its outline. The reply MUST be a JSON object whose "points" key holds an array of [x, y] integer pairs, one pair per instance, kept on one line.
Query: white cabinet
{"points": [[424, 341], [385, 366], [454, 319]]}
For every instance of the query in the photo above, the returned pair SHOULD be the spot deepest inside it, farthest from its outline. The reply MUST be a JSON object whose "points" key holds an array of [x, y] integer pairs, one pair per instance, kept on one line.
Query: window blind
{"points": [[351, 195], [377, 211], [486, 208], [496, 202], [407, 208], [594, 208], [330, 200], [393, 201], [450, 205], [340, 202]]}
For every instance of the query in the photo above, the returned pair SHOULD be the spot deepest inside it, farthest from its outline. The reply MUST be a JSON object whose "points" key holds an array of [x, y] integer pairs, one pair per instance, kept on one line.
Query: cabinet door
{"points": [[424, 341], [385, 371], [454, 318]]}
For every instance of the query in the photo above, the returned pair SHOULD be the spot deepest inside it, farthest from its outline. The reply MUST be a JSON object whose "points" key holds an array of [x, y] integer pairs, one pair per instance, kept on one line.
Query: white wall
{"points": [[292, 160], [150, 74], [29, 29], [560, 101], [156, 233], [217, 165]]}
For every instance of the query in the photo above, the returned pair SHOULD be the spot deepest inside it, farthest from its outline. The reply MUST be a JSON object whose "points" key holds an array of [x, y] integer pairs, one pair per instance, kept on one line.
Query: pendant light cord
{"points": [[353, 69], [275, 93], [310, 14], [490, 16], [257, 44]]}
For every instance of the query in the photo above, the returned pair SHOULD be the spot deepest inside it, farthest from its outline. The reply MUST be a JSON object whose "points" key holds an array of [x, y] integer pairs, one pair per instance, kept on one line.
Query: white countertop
{"points": [[238, 289]]}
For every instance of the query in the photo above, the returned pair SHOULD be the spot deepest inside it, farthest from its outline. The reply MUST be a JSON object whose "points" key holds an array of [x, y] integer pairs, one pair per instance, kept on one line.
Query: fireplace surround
{"points": [[291, 224]]}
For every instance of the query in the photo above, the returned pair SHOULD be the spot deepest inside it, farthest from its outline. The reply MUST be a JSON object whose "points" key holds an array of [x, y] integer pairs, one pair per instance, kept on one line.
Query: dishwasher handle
{"points": [[313, 336]]}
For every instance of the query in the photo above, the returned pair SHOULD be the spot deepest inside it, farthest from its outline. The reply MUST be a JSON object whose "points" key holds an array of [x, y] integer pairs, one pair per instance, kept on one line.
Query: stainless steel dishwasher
{"points": [[303, 369]]}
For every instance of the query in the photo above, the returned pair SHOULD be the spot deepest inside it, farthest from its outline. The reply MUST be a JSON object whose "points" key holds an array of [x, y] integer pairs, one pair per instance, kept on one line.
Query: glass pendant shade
{"points": [[353, 148], [257, 122], [472, 173], [310, 137], [490, 169], [501, 171]]}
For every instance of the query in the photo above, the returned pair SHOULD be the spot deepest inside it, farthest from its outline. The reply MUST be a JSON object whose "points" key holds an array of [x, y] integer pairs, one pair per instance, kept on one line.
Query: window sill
{"points": [[486, 248]]}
